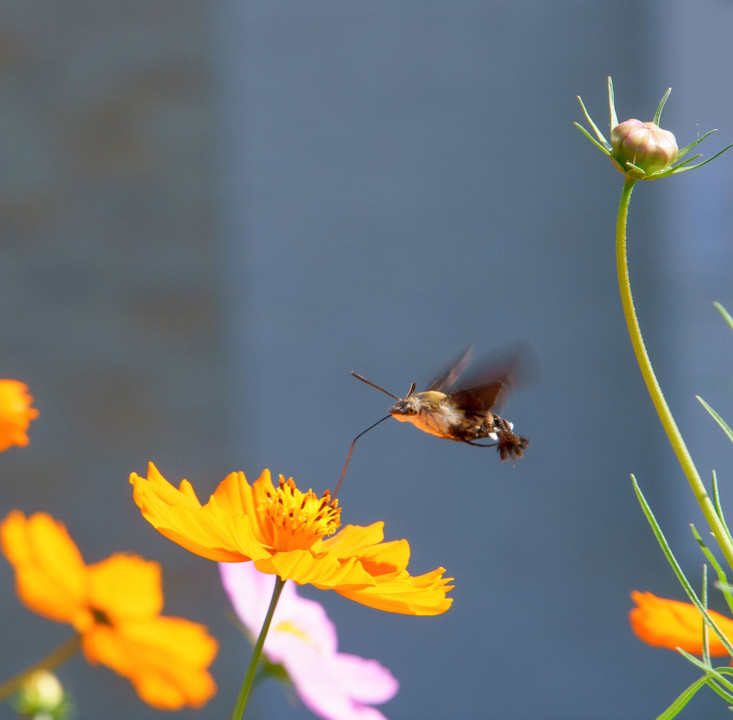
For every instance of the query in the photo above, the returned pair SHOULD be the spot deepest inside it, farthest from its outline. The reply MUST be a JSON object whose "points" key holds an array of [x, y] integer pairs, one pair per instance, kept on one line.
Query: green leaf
{"points": [[717, 418], [705, 629], [666, 549], [725, 695], [719, 508], [672, 560], [725, 314], [716, 501], [714, 676], [719, 690], [683, 698]]}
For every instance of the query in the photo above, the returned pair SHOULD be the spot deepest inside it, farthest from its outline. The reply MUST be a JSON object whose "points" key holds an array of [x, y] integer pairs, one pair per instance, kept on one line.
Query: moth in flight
{"points": [[462, 407]]}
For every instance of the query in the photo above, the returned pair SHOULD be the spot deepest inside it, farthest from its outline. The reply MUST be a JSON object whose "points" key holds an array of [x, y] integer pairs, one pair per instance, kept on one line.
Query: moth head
{"points": [[406, 408], [415, 403]]}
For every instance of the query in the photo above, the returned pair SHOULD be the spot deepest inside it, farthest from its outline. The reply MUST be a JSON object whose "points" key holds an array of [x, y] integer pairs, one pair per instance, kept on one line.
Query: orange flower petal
{"points": [[409, 595], [50, 575], [126, 587], [351, 538], [326, 572], [672, 624], [218, 530], [16, 413], [234, 496], [382, 558], [156, 491], [164, 658]]}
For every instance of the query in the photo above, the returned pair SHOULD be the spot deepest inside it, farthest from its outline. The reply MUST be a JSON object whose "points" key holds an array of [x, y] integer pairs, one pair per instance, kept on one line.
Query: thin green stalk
{"points": [[655, 391], [59, 656], [256, 653]]}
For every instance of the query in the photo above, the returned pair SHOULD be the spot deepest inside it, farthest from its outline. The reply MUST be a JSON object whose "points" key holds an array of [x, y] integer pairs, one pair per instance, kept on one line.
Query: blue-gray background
{"points": [[211, 212]]}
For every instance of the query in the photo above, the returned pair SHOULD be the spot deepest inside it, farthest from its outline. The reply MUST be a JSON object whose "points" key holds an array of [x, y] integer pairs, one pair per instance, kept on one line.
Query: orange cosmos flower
{"points": [[285, 532], [16, 413], [115, 607], [673, 624]]}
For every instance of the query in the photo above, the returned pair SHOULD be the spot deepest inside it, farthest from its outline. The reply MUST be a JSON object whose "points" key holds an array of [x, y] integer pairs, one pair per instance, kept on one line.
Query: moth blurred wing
{"points": [[480, 398], [490, 384], [448, 378]]}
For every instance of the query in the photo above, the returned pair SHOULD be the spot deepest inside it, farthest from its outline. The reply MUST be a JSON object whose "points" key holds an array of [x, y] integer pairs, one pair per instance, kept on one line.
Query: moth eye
{"points": [[411, 410]]}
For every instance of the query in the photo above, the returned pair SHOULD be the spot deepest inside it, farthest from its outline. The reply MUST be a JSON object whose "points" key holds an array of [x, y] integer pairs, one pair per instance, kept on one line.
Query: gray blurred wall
{"points": [[212, 212]]}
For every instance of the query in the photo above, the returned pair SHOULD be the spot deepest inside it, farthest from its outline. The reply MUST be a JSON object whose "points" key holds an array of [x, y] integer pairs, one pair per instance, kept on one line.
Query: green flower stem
{"points": [[257, 652], [59, 656], [675, 437]]}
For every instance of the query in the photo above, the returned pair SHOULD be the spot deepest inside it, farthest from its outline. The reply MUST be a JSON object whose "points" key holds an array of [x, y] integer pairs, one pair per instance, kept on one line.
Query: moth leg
{"points": [[475, 444]]}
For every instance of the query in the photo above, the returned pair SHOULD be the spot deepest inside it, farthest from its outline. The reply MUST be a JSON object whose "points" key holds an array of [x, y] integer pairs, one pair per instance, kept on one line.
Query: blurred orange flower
{"points": [[115, 607], [673, 624], [284, 532], [16, 413]]}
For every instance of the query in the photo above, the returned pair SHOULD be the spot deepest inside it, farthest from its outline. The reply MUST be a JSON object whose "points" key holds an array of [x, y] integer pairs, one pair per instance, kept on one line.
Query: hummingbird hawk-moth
{"points": [[461, 408]]}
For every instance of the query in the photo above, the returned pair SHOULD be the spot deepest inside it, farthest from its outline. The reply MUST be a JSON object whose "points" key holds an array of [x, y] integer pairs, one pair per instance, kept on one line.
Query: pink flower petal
{"points": [[335, 686], [366, 680], [319, 680]]}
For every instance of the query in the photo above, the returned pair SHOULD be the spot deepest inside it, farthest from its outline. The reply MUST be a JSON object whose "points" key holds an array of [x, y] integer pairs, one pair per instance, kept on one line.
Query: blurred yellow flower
{"points": [[16, 413], [673, 624], [284, 531], [115, 607]]}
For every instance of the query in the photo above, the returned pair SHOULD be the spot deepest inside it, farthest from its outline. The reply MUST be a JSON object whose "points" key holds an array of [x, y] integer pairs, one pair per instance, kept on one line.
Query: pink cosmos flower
{"points": [[333, 685]]}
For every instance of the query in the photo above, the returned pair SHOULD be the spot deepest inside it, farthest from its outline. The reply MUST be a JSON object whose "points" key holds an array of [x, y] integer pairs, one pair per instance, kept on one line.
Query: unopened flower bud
{"points": [[42, 695], [642, 150], [644, 144]]}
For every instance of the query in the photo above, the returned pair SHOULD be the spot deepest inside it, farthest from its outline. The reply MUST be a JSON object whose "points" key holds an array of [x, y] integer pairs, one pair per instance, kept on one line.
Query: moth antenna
{"points": [[353, 442], [410, 391], [374, 385]]}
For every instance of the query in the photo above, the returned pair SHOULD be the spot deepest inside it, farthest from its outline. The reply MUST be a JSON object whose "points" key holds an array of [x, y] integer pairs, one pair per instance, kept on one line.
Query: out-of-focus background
{"points": [[212, 212]]}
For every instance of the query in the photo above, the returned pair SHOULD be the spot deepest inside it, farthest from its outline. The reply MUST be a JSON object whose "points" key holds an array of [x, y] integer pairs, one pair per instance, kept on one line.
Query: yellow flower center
{"points": [[288, 626], [298, 519], [87, 618], [100, 617]]}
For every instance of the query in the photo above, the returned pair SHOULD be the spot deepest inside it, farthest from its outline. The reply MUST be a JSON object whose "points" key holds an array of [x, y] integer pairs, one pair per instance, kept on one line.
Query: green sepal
{"points": [[612, 104]]}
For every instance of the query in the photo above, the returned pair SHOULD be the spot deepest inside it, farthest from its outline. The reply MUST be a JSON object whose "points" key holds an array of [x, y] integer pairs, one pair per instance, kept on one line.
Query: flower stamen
{"points": [[298, 519]]}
